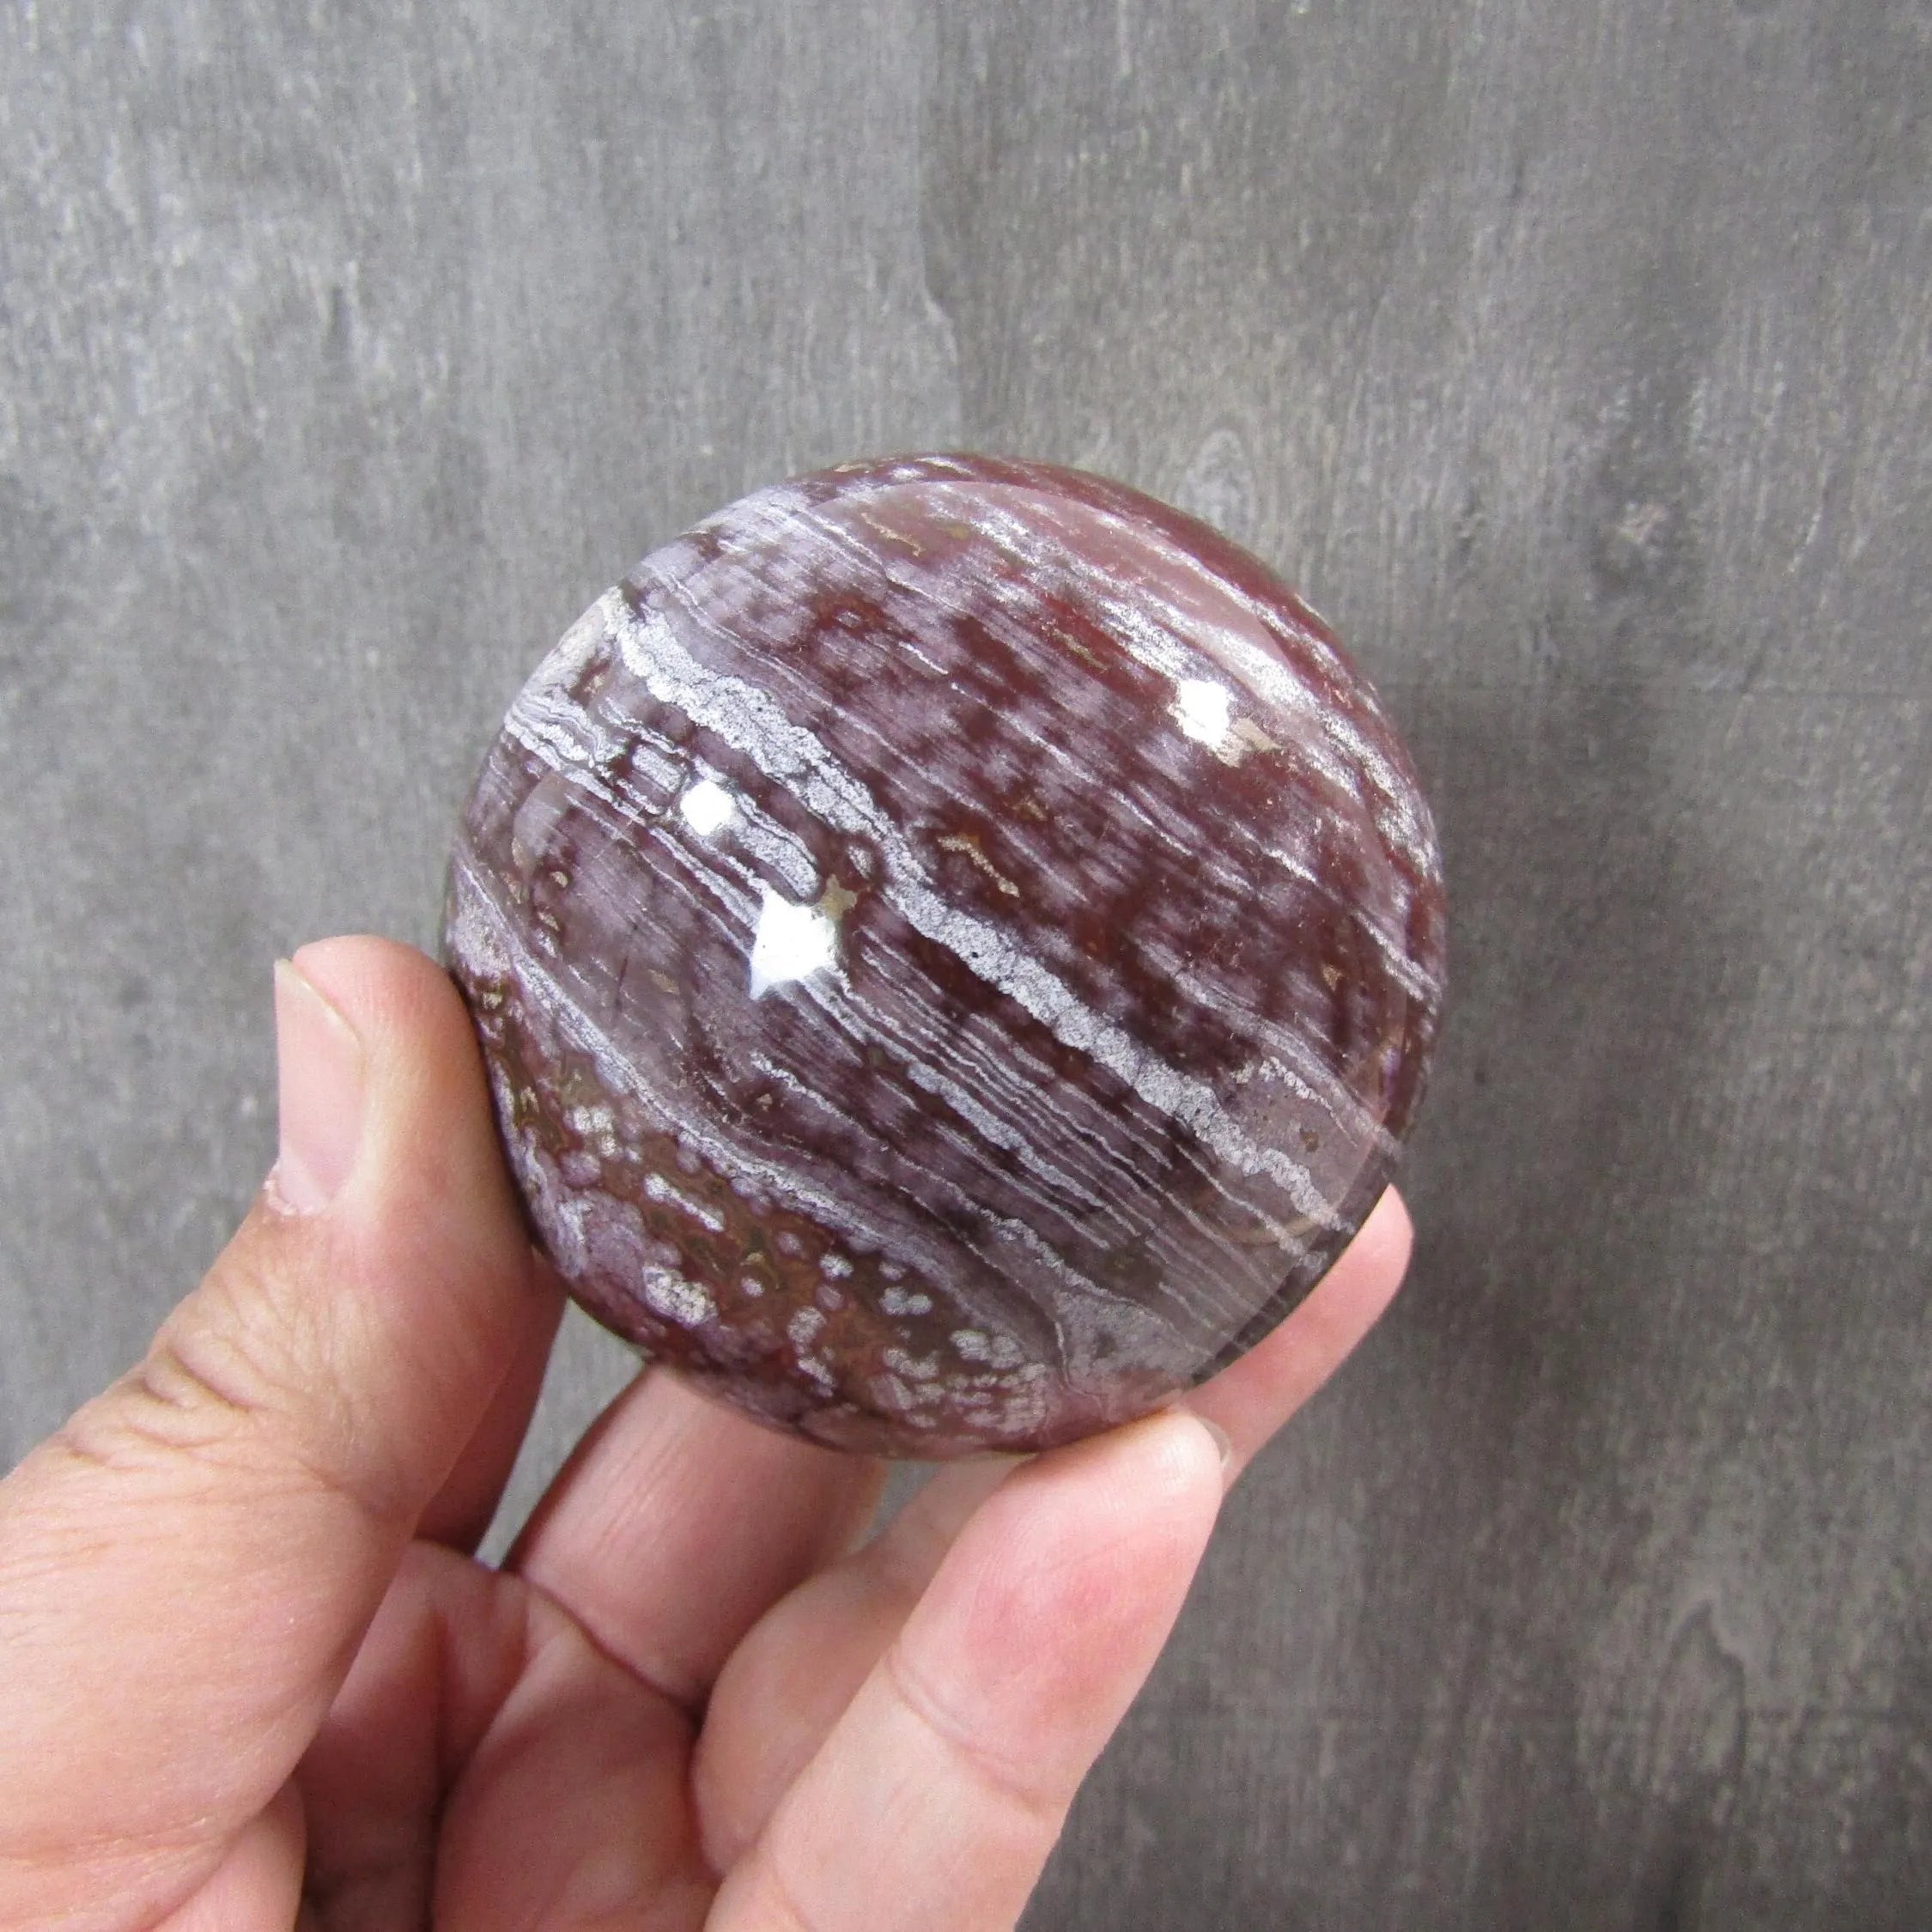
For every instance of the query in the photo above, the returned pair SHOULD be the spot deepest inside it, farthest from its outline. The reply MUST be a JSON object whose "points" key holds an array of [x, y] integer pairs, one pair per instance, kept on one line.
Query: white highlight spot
{"points": [[790, 941], [707, 807], [1204, 710]]}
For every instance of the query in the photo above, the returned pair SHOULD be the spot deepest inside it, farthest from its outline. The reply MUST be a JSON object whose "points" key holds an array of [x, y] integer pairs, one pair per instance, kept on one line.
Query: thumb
{"points": [[187, 1568]]}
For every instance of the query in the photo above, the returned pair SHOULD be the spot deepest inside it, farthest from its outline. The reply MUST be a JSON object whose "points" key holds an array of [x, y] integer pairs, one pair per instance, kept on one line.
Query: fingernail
{"points": [[1222, 1441], [320, 1096]]}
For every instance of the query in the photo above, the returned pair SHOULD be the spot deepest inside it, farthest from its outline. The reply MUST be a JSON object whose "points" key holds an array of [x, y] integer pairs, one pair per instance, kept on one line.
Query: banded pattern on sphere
{"points": [[956, 947]]}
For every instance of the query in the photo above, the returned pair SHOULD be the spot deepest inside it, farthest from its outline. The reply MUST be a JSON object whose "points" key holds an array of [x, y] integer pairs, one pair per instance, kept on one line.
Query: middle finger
{"points": [[677, 1522]]}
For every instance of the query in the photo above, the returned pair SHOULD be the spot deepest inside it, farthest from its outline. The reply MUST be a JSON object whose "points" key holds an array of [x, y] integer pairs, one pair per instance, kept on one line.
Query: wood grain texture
{"points": [[1574, 360]]}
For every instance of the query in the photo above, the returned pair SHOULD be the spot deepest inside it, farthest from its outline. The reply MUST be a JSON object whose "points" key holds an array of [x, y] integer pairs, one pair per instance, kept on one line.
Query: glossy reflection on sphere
{"points": [[956, 948]]}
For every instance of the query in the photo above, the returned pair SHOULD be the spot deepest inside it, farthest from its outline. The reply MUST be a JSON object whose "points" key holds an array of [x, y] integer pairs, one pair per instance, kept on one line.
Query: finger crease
{"points": [[779, 1887], [684, 1692], [987, 1768]]}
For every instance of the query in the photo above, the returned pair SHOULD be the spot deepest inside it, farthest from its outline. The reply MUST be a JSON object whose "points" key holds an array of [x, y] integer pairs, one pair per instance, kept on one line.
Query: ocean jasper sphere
{"points": [[956, 948]]}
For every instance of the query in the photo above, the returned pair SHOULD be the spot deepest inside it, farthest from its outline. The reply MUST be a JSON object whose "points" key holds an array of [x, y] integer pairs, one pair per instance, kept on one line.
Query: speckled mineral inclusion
{"points": [[956, 948]]}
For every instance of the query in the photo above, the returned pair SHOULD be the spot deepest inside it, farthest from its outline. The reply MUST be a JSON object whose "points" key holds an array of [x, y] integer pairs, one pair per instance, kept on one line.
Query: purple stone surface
{"points": [[956, 947]]}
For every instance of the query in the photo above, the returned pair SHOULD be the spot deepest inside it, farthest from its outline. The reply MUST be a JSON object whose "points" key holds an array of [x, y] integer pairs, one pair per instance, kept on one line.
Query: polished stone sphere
{"points": [[956, 948]]}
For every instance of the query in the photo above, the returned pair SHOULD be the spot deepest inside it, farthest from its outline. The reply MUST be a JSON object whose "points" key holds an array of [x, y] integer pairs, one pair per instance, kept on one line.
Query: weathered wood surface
{"points": [[1576, 361]]}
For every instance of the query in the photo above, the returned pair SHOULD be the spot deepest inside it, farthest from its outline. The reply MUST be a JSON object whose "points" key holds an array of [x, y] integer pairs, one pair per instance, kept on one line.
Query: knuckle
{"points": [[237, 1382], [181, 1400]]}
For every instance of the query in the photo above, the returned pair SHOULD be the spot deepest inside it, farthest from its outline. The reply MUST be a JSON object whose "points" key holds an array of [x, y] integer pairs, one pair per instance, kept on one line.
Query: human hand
{"points": [[251, 1677]]}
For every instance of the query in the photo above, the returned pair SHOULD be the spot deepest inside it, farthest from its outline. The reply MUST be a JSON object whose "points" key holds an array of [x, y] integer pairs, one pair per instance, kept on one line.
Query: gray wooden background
{"points": [[1573, 358]]}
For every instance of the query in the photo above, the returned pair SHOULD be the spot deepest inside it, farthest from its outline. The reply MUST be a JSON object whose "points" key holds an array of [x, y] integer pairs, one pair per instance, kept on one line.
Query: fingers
{"points": [[935, 1797], [1252, 1398], [677, 1522], [461, 1511], [571, 1812], [786, 1685], [258, 1882], [441, 1656], [185, 1571], [790, 1679], [487, 1766]]}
